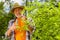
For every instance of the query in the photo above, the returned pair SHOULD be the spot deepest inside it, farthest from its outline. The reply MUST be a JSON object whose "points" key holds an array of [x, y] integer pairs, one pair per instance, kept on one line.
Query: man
{"points": [[16, 26]]}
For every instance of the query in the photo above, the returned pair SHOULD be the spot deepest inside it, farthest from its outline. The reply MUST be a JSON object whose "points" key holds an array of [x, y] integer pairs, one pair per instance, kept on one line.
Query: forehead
{"points": [[17, 9]]}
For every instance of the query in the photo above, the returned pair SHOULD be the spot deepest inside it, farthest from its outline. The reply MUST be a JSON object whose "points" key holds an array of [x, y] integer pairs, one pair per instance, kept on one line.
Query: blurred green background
{"points": [[46, 16]]}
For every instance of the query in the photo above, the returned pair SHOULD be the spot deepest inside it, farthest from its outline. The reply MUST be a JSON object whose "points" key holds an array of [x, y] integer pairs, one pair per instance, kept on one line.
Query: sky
{"points": [[7, 8], [12, 0], [2, 0], [19, 1]]}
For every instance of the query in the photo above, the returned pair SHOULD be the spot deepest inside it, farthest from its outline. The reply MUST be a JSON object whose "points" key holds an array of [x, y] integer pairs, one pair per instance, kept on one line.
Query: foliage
{"points": [[4, 19], [3, 22], [47, 20]]}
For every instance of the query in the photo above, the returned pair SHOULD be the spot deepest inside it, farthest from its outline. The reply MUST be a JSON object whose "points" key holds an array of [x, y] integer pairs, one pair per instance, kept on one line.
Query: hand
{"points": [[10, 29], [30, 28], [7, 34]]}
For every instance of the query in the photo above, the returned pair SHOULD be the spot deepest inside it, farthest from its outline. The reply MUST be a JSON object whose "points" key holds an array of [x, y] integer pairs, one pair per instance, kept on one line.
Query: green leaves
{"points": [[47, 21], [58, 37], [4, 19]]}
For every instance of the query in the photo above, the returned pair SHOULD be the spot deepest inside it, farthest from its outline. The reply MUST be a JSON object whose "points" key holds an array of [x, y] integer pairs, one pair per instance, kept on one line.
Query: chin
{"points": [[18, 17]]}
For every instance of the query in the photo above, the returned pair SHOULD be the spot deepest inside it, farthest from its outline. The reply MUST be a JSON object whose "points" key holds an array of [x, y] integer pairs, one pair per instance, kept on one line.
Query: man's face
{"points": [[17, 12]]}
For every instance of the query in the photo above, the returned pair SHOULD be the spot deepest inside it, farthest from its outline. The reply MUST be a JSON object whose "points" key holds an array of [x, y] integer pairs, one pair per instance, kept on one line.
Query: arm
{"points": [[10, 28], [31, 28], [31, 25]]}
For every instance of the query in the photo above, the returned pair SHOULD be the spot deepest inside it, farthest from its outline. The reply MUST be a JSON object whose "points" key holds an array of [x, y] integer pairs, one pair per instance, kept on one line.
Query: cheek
{"points": [[15, 12], [18, 11]]}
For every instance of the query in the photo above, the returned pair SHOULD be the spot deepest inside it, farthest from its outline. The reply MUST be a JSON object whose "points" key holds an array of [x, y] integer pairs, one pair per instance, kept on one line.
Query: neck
{"points": [[20, 16]]}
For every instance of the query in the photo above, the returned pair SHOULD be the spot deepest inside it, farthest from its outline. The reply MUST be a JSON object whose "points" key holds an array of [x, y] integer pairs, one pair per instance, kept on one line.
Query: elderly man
{"points": [[16, 27]]}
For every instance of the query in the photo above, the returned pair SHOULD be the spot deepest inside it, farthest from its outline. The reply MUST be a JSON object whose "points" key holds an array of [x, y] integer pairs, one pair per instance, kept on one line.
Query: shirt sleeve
{"points": [[31, 24], [10, 23]]}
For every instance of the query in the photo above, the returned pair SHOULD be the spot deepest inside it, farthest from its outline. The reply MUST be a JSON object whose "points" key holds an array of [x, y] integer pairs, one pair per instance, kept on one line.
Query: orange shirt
{"points": [[20, 34]]}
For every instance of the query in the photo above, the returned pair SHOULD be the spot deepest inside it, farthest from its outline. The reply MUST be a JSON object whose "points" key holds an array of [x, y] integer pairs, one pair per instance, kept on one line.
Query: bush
{"points": [[47, 20], [4, 19]]}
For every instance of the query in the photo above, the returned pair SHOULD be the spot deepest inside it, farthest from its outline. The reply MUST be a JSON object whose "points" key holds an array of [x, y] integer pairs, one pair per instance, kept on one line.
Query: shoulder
{"points": [[11, 21], [23, 16]]}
